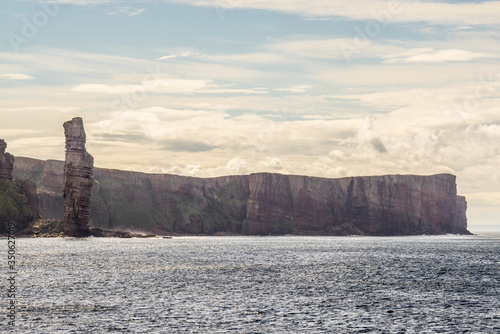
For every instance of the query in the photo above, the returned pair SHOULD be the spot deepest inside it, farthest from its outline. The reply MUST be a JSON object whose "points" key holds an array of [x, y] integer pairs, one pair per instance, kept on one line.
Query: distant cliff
{"points": [[258, 204]]}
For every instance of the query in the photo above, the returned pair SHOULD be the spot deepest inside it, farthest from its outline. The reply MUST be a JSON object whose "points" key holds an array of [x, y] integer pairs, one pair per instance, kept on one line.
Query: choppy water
{"points": [[446, 284]]}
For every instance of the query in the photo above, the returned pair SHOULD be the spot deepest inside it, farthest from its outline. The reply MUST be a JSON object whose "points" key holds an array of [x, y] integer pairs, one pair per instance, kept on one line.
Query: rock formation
{"points": [[373, 205], [18, 198], [6, 162], [261, 203], [77, 182]]}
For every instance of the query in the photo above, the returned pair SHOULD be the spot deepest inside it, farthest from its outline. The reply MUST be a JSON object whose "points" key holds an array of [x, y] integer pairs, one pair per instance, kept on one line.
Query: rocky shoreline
{"points": [[53, 228]]}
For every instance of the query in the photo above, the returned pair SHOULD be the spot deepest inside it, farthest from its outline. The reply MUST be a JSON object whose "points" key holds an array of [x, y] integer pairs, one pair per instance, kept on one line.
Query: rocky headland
{"points": [[258, 204], [18, 198]]}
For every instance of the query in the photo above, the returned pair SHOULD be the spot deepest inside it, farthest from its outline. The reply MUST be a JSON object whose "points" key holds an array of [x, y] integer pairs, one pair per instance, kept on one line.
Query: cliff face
{"points": [[375, 205], [18, 199], [77, 182], [260, 203], [6, 162]]}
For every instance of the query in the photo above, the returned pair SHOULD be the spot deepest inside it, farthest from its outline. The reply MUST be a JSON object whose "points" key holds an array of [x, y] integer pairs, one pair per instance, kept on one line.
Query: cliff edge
{"points": [[258, 204]]}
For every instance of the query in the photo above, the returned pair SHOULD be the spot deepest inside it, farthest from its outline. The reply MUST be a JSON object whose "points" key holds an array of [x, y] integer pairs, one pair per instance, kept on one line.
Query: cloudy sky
{"points": [[216, 87]]}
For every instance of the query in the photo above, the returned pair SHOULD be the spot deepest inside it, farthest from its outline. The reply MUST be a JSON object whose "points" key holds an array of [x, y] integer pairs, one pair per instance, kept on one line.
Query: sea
{"points": [[237, 284]]}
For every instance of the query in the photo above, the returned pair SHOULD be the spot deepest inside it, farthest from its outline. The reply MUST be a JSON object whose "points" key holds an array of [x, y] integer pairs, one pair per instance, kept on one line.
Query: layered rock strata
{"points": [[77, 181], [260, 204], [18, 198]]}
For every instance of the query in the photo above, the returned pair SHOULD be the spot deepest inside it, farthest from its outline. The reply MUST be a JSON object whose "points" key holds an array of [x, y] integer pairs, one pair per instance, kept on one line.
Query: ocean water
{"points": [[424, 284]]}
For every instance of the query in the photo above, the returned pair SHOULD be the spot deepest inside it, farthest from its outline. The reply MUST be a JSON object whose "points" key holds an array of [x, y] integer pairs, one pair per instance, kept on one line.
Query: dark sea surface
{"points": [[424, 284]]}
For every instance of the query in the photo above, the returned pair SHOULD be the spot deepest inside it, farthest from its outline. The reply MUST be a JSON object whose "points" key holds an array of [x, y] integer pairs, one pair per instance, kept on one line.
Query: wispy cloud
{"points": [[434, 56], [295, 89], [16, 76], [56, 109], [464, 13], [87, 2], [167, 86], [128, 11], [106, 89], [156, 86], [182, 54]]}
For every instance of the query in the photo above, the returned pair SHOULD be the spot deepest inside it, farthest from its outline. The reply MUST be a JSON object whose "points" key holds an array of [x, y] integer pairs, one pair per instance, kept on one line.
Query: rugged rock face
{"points": [[77, 182], [18, 199], [6, 162], [375, 205], [260, 203]]}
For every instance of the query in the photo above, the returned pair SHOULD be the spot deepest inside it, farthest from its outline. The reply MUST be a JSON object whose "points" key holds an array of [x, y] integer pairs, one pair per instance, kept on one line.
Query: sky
{"points": [[219, 87]]}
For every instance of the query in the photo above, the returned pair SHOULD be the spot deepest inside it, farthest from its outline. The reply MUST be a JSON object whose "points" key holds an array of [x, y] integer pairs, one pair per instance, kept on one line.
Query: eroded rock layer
{"points": [[77, 182], [261, 203], [18, 198]]}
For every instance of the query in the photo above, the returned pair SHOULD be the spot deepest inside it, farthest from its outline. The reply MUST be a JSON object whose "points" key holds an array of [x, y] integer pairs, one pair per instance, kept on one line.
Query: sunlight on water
{"points": [[260, 285]]}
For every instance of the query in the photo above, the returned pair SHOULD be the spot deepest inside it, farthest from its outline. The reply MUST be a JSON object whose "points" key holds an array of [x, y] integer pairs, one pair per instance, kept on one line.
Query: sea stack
{"points": [[6, 162], [78, 181]]}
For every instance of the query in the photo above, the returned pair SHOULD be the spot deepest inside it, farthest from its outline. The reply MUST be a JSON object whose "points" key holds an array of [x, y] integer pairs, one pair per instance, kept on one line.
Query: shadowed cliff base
{"points": [[258, 204], [54, 228]]}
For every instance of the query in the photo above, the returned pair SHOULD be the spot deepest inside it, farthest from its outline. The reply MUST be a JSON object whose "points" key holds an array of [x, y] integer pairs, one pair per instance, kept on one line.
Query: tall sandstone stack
{"points": [[18, 199], [78, 181]]}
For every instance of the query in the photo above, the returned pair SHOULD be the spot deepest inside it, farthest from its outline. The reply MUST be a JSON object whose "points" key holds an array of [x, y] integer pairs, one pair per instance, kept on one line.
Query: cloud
{"points": [[56, 109], [254, 58], [16, 76], [187, 146], [17, 132], [87, 2], [155, 86], [128, 11], [181, 54], [247, 91], [295, 89], [235, 166], [434, 56], [468, 13], [378, 145], [107, 89], [167, 57], [272, 163], [388, 51], [166, 86]]}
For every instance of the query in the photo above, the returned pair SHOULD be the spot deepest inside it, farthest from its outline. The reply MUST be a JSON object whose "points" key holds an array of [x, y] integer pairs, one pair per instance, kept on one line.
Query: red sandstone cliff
{"points": [[372, 205], [260, 203]]}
